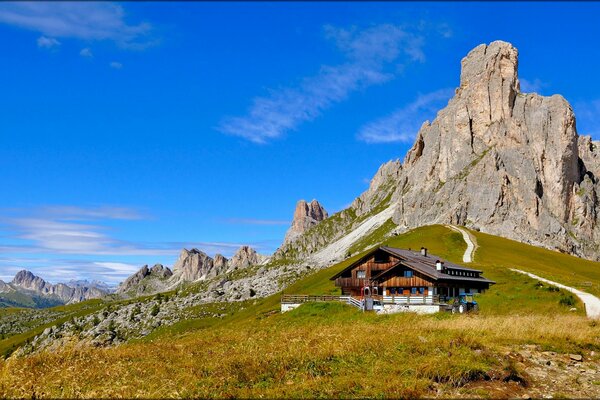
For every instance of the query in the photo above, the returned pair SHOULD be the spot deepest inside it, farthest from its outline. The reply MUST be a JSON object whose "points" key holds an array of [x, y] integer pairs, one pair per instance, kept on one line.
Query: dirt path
{"points": [[592, 303], [469, 240]]}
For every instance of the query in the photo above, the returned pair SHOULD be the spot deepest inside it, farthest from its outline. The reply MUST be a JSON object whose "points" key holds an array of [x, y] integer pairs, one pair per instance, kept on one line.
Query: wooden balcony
{"points": [[351, 282]]}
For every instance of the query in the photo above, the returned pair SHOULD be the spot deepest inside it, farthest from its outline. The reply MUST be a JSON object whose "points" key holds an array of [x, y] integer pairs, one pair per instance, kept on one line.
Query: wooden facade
{"points": [[395, 272]]}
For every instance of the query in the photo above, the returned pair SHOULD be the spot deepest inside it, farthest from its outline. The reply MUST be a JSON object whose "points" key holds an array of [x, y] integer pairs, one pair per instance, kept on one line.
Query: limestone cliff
{"points": [[502, 161], [494, 159]]}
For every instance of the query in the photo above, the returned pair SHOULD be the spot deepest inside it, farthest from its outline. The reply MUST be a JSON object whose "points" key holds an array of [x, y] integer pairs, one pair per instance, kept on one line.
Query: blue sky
{"points": [[131, 130]]}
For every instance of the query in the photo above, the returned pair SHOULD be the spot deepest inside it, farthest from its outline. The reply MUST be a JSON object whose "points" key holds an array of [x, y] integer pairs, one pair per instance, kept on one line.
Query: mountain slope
{"points": [[254, 351]]}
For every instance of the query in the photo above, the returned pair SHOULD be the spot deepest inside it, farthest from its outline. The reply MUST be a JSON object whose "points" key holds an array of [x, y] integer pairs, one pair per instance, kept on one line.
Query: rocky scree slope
{"points": [[494, 159]]}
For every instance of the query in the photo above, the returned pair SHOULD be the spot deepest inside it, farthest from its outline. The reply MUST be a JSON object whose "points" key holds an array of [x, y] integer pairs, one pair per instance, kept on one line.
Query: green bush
{"points": [[155, 310], [567, 300]]}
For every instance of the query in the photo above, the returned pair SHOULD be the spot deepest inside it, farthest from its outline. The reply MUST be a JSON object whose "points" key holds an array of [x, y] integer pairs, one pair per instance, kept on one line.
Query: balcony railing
{"points": [[351, 282]]}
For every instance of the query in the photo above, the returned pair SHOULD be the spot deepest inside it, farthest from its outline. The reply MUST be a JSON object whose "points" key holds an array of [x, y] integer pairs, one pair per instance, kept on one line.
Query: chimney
{"points": [[424, 251], [439, 265]]}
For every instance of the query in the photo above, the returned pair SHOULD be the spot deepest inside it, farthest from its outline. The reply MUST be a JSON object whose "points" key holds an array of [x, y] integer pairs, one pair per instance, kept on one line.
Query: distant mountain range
{"points": [[29, 290]]}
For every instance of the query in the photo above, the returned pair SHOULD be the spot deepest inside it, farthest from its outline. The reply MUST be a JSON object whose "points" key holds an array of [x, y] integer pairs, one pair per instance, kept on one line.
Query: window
{"points": [[400, 291], [392, 291], [408, 273], [413, 290], [361, 274], [421, 290], [382, 257]]}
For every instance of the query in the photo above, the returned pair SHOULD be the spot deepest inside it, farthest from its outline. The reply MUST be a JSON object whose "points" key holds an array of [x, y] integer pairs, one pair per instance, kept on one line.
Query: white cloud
{"points": [[534, 86], [106, 212], [403, 124], [588, 118], [47, 43], [369, 54], [86, 52], [45, 239], [79, 20], [116, 65]]}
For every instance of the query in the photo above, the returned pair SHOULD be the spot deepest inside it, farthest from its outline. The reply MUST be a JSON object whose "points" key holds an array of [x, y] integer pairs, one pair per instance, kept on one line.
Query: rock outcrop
{"points": [[244, 257], [306, 216], [220, 263], [146, 280], [502, 161], [192, 265]]}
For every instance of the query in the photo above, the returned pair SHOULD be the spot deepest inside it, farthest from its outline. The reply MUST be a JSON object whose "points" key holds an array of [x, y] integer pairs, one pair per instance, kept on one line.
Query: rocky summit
{"points": [[306, 216], [193, 265], [503, 162], [244, 257], [146, 279]]}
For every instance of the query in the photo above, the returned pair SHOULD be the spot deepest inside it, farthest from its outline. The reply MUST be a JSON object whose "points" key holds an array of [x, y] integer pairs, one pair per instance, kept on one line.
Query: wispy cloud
{"points": [[116, 65], [86, 52], [47, 43], [588, 118], [71, 230], [79, 20], [534, 86], [372, 55], [106, 212], [403, 124], [253, 221], [64, 242]]}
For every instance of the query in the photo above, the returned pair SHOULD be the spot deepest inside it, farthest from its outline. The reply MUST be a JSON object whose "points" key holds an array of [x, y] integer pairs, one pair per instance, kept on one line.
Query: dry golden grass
{"points": [[325, 350]]}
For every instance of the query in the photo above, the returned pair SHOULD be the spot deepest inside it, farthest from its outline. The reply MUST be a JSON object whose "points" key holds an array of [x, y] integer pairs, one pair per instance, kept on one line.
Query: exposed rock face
{"points": [[495, 159], [306, 216], [245, 257], [220, 263], [505, 162], [193, 265], [25, 281], [144, 278]]}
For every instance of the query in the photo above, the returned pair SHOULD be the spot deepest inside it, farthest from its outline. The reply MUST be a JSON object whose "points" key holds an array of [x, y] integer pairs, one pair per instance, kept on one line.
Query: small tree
{"points": [[155, 310]]}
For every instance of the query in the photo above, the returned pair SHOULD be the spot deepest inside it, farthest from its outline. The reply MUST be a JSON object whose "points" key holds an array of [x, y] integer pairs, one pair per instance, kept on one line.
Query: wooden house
{"points": [[407, 277]]}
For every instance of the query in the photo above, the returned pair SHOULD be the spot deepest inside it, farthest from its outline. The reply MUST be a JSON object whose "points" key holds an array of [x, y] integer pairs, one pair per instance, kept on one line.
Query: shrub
{"points": [[567, 300], [155, 310]]}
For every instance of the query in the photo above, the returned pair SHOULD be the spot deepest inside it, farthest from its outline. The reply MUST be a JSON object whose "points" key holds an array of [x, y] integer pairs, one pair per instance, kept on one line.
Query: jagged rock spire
{"points": [[306, 216]]}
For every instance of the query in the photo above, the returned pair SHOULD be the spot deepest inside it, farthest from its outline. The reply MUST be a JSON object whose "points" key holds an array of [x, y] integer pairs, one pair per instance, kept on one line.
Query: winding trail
{"points": [[469, 240], [592, 303]]}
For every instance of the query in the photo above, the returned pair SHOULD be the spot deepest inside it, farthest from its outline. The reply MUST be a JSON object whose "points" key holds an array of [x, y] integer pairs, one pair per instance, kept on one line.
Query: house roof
{"points": [[420, 263]]}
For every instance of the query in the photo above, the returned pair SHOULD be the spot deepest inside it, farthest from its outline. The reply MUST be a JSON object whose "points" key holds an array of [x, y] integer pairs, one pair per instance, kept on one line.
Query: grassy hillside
{"points": [[333, 350]]}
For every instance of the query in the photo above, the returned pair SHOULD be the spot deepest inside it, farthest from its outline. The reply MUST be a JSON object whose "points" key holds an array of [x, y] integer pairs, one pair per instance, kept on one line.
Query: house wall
{"points": [[372, 268], [398, 279]]}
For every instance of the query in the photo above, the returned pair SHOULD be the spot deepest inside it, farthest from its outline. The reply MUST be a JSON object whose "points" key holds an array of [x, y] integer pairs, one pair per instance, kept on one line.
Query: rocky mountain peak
{"points": [[491, 69], [244, 257], [502, 161], [306, 215], [27, 280], [146, 278], [192, 265]]}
